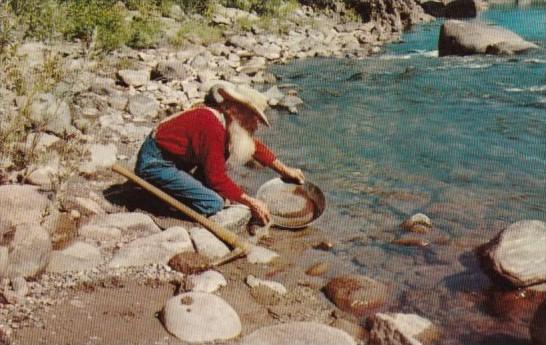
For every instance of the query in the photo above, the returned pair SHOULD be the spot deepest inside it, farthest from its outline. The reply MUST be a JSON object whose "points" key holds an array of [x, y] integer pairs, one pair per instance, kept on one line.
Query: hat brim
{"points": [[234, 96]]}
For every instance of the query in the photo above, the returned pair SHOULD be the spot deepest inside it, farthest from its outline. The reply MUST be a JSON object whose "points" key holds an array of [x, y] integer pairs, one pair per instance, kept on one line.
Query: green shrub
{"points": [[41, 19], [196, 30], [8, 24], [144, 29]]}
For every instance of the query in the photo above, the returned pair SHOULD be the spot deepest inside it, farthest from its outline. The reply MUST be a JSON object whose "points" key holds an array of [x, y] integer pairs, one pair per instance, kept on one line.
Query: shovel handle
{"points": [[228, 237]]}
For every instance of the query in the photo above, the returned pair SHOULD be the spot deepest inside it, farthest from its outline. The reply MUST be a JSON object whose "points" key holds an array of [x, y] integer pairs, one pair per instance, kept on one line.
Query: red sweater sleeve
{"points": [[214, 165], [263, 154]]}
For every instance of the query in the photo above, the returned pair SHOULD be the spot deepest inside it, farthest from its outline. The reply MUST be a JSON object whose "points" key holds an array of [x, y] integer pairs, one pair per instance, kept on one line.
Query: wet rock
{"points": [[208, 281], [538, 326], [461, 9], [274, 95], [207, 244], [234, 218], [467, 38], [172, 70], [52, 114], [417, 223], [261, 255], [134, 78], [277, 287], [101, 157], [298, 333], [79, 256], [519, 304], [291, 102], [127, 222], [398, 329], [155, 249], [356, 294], [318, 269], [517, 254], [142, 106], [29, 251], [200, 317], [21, 204]]}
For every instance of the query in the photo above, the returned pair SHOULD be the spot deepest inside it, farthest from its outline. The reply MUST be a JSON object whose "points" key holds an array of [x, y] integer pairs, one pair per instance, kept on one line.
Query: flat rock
{"points": [[234, 218], [200, 317], [22, 204], [29, 251], [172, 70], [397, 329], [517, 254], [261, 255], [52, 114], [88, 206], [277, 287], [356, 294], [134, 78], [127, 222], [99, 233], [538, 326], [79, 256], [142, 106], [298, 333], [207, 244], [102, 157], [208, 281], [155, 249], [467, 38]]}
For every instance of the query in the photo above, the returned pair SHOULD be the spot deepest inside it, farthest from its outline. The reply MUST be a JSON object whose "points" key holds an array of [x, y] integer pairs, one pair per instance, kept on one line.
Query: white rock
{"points": [[127, 222], [41, 141], [99, 233], [234, 218], [254, 282], [142, 106], [21, 204], [397, 329], [518, 254], [134, 78], [198, 317], [29, 251], [298, 333], [20, 286], [79, 256], [102, 157], [89, 206], [4, 257], [53, 114], [209, 281], [207, 244], [154, 249], [43, 176], [261, 255]]}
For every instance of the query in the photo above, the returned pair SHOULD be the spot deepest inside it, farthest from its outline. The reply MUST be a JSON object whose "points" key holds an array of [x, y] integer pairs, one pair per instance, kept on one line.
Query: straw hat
{"points": [[243, 95]]}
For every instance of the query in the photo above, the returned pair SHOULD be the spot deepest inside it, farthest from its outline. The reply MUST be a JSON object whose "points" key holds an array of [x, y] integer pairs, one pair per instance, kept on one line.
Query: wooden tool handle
{"points": [[227, 236]]}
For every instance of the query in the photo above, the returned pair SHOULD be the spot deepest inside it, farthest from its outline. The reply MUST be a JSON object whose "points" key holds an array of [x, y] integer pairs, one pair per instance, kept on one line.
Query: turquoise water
{"points": [[462, 139]]}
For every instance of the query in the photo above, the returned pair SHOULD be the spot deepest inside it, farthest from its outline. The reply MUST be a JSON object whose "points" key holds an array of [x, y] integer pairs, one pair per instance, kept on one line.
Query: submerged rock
{"points": [[517, 255], [398, 329], [198, 317], [356, 294], [298, 333], [467, 38], [538, 326]]}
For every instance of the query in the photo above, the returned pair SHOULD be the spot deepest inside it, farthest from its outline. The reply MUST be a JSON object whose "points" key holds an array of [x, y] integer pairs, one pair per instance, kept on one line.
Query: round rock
{"points": [[356, 294], [200, 317], [298, 333]]}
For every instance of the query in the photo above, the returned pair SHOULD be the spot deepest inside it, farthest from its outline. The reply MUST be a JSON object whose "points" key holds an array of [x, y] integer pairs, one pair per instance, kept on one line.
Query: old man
{"points": [[187, 153]]}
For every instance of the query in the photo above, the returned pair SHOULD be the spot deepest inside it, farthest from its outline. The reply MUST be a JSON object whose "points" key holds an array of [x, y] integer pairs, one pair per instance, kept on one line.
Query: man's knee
{"points": [[212, 205]]}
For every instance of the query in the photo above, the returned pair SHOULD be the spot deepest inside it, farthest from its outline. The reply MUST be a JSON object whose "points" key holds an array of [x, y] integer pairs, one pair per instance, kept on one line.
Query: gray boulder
{"points": [[101, 157], [29, 251], [155, 249], [142, 106], [79, 256], [172, 70], [21, 204], [207, 244], [127, 222], [234, 218], [467, 38], [51, 113], [134, 78], [198, 317], [517, 255], [298, 333]]}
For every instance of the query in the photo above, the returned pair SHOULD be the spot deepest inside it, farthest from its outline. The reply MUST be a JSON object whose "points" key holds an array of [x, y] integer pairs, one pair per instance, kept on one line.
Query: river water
{"points": [[461, 139]]}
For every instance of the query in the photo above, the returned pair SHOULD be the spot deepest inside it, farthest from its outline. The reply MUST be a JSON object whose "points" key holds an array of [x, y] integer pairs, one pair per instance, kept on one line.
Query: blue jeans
{"points": [[162, 172]]}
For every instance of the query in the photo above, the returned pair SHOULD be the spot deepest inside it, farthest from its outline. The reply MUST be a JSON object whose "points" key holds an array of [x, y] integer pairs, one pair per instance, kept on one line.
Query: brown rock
{"points": [[318, 269], [515, 304], [538, 326], [356, 294]]}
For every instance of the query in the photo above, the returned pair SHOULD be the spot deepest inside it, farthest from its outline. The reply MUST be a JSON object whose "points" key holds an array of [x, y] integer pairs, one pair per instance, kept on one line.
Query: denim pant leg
{"points": [[163, 173]]}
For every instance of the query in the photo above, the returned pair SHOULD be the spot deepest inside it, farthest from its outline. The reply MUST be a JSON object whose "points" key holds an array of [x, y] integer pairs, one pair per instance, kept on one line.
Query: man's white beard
{"points": [[241, 144]]}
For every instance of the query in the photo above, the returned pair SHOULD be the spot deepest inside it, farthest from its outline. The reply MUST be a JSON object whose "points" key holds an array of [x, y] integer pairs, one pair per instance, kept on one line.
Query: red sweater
{"points": [[197, 138]]}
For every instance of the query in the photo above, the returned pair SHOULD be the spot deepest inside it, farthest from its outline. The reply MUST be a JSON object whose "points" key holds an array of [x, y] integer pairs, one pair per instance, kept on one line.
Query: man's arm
{"points": [[292, 174]]}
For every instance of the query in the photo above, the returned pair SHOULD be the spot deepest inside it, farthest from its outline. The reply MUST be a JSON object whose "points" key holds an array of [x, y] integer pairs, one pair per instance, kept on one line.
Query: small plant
{"points": [[144, 28], [196, 30]]}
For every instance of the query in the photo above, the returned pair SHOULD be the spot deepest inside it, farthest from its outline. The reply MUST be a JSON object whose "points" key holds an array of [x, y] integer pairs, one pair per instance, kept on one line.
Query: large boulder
{"points": [[234, 218], [517, 255], [52, 114], [21, 204], [467, 38], [155, 249], [29, 251], [356, 294], [398, 329], [126, 222], [197, 317], [298, 333], [79, 256], [538, 326]]}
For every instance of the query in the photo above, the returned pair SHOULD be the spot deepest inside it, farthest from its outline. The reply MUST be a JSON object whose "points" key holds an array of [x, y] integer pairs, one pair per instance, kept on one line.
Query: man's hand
{"points": [[288, 173], [259, 208]]}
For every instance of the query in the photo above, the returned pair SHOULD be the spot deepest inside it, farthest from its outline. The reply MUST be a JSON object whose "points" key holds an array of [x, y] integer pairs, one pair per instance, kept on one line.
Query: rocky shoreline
{"points": [[82, 232]]}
